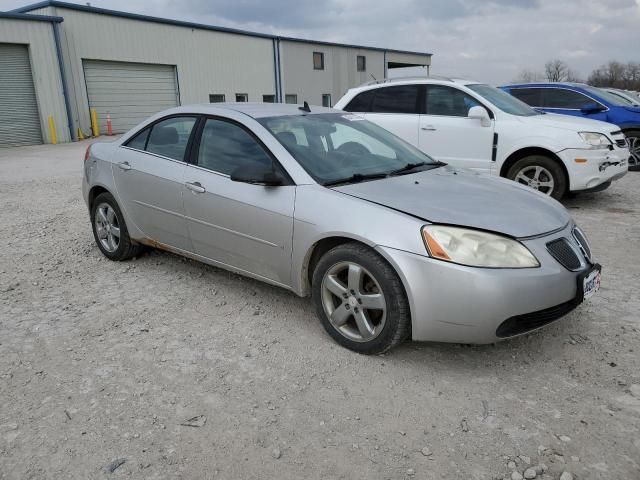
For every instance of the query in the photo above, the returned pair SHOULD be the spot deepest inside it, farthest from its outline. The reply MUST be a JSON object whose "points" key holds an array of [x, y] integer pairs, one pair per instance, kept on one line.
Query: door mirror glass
{"points": [[591, 108], [481, 114], [258, 174]]}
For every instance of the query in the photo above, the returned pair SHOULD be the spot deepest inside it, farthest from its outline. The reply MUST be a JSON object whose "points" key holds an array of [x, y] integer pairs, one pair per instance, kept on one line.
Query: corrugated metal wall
{"points": [[339, 74], [207, 62], [44, 66]]}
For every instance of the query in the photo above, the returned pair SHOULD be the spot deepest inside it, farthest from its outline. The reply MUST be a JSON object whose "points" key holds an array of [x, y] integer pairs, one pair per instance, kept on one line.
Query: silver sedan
{"points": [[389, 243]]}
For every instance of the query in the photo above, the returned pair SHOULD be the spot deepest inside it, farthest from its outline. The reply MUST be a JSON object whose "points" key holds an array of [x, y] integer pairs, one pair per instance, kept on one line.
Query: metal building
{"points": [[129, 66]]}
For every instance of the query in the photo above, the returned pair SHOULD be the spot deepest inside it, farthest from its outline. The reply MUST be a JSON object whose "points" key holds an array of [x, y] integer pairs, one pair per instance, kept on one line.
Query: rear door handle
{"points": [[429, 128], [124, 166], [195, 187]]}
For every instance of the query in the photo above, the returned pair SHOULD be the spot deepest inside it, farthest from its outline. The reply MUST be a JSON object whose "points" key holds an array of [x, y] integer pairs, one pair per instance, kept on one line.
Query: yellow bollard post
{"points": [[52, 130], [80, 134], [94, 123]]}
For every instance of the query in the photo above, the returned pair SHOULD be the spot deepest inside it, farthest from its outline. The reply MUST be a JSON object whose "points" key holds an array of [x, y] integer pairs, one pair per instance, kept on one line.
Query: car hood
{"points": [[465, 198], [632, 108], [569, 122]]}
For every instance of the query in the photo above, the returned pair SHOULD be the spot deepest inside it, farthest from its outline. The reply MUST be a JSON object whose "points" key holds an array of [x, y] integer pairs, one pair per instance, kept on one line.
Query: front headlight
{"points": [[595, 140], [476, 248]]}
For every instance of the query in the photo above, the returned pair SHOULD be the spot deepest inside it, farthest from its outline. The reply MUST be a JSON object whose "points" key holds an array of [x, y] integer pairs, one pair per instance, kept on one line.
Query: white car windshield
{"points": [[344, 148], [503, 100]]}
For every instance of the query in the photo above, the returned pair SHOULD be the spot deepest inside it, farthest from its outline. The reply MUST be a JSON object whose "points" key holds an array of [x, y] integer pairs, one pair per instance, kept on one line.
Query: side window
{"points": [[362, 102], [140, 140], [225, 146], [530, 96], [561, 98], [448, 101], [399, 99], [169, 137]]}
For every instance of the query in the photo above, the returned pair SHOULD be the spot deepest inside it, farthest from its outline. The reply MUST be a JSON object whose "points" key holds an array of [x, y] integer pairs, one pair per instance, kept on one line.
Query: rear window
{"points": [[530, 96], [398, 99], [361, 103]]}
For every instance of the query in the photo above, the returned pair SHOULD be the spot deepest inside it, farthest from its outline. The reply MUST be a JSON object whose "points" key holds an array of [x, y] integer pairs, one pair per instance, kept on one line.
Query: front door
{"points": [[449, 135], [244, 226], [149, 177]]}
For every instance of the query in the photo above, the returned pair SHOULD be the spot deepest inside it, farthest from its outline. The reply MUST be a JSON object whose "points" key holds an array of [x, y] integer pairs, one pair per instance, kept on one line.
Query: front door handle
{"points": [[429, 128], [195, 187], [124, 166]]}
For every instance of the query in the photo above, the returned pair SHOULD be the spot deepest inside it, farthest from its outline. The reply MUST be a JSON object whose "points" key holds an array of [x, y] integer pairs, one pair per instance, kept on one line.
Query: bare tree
{"points": [[573, 76], [617, 75], [556, 70]]}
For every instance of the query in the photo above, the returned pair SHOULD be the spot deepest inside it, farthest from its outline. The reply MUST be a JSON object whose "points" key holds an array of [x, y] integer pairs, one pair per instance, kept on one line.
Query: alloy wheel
{"points": [[536, 177], [634, 149], [107, 227], [353, 301]]}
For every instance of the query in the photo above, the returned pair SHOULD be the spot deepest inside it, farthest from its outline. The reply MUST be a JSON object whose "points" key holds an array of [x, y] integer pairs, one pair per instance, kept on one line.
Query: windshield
{"points": [[607, 96], [503, 100], [341, 148]]}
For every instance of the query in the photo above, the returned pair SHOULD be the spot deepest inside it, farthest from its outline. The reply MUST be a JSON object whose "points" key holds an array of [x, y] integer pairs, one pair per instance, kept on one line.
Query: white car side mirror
{"points": [[481, 114]]}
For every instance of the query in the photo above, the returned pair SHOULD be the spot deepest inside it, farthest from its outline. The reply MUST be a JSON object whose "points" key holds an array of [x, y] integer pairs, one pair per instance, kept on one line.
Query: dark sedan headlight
{"points": [[476, 248]]}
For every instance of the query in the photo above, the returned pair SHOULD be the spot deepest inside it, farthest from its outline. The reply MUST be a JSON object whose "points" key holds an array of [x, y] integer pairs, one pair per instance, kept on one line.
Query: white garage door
{"points": [[19, 118], [129, 92]]}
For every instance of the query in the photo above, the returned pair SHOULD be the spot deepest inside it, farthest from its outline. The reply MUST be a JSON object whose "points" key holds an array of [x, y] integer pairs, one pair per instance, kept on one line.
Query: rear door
{"points": [[244, 226], [395, 108], [449, 135], [149, 176]]}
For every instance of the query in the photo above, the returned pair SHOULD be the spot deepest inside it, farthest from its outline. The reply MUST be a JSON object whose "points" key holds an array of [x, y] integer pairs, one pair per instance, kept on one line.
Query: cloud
{"points": [[486, 40]]}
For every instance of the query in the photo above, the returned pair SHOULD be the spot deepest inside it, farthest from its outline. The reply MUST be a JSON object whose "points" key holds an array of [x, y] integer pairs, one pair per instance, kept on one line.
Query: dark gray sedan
{"points": [[389, 243]]}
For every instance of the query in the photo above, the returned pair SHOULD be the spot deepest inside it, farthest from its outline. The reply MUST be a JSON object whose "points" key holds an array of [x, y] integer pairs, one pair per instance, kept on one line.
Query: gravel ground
{"points": [[162, 367]]}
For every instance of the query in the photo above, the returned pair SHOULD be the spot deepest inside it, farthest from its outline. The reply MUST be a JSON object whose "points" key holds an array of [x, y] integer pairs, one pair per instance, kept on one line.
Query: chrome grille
{"points": [[583, 244], [564, 253]]}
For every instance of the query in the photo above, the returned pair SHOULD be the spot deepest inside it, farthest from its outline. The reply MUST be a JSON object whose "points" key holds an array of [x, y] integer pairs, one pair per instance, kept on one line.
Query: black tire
{"points": [[396, 326], [633, 137], [559, 177], [126, 249]]}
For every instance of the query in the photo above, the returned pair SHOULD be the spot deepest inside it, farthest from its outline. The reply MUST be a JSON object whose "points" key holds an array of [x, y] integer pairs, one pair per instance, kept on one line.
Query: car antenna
{"points": [[305, 107]]}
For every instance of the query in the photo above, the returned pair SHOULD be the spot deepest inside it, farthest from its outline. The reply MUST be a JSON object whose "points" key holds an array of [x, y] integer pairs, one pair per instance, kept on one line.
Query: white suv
{"points": [[473, 125]]}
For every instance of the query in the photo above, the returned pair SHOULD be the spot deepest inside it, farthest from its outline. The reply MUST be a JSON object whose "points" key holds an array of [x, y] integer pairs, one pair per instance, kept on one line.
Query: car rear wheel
{"points": [[360, 299], [633, 139], [540, 173], [110, 230]]}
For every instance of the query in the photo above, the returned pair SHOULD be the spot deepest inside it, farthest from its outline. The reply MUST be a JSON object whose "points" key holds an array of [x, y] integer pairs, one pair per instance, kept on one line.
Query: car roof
{"points": [[254, 109], [547, 84], [412, 81]]}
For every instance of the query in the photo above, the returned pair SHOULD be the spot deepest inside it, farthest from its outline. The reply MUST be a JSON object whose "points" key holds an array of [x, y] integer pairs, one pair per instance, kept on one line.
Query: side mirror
{"points": [[257, 174], [590, 108], [481, 114]]}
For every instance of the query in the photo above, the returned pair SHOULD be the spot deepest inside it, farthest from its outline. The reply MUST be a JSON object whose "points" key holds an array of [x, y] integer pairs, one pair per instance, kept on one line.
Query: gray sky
{"points": [[490, 40]]}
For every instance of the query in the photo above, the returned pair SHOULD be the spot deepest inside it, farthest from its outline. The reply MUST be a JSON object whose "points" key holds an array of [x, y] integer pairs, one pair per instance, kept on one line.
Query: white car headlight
{"points": [[476, 248], [595, 140]]}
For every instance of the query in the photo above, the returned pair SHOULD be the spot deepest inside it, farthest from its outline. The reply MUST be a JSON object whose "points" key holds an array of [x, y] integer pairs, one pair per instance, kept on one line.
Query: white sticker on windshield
{"points": [[352, 118]]}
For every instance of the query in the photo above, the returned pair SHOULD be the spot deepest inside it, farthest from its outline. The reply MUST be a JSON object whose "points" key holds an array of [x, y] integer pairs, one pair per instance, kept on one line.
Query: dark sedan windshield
{"points": [[340, 148]]}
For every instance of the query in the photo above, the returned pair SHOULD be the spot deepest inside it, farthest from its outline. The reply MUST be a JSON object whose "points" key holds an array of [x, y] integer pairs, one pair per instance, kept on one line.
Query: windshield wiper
{"points": [[412, 166], [356, 178]]}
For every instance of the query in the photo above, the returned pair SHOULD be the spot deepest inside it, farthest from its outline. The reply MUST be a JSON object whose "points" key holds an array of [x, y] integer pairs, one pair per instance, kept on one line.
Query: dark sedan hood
{"points": [[462, 197]]}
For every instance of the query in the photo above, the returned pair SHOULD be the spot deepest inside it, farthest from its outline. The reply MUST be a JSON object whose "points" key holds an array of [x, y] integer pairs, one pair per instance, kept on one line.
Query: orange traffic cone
{"points": [[109, 127]]}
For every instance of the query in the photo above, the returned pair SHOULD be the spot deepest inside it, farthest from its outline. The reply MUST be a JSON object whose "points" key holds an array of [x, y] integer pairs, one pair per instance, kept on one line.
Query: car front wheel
{"points": [[360, 299], [633, 139], [540, 173]]}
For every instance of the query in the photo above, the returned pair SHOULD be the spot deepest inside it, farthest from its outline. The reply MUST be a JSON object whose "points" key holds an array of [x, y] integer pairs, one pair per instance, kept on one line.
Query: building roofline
{"points": [[200, 26], [36, 18]]}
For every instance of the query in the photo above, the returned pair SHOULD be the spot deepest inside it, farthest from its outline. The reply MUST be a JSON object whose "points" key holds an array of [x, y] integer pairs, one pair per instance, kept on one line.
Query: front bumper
{"points": [[455, 303], [594, 167]]}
